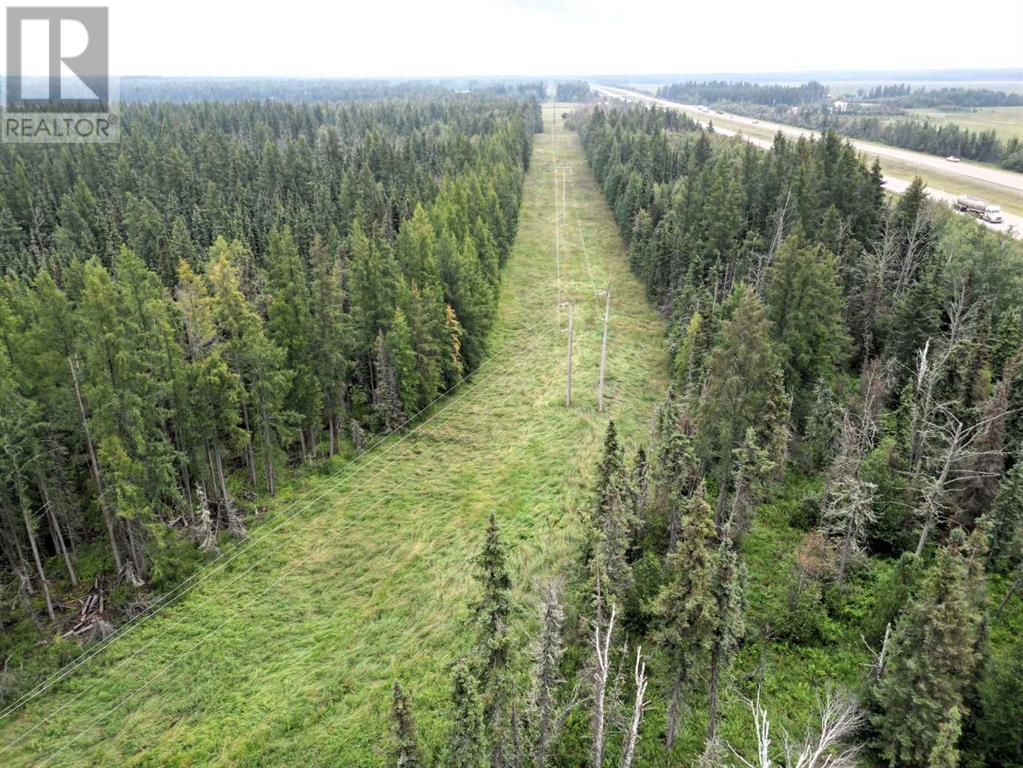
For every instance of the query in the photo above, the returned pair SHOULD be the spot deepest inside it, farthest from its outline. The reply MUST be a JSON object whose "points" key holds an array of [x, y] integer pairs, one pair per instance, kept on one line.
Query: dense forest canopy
{"points": [[944, 98], [716, 91], [573, 90], [184, 89], [232, 288]]}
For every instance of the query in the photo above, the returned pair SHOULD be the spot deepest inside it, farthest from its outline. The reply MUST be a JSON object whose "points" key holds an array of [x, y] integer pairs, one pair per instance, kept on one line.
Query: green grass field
{"points": [[1007, 122], [285, 657]]}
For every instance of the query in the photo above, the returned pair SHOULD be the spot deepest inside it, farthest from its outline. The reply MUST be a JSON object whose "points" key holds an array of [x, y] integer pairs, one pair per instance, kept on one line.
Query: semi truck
{"points": [[977, 207]]}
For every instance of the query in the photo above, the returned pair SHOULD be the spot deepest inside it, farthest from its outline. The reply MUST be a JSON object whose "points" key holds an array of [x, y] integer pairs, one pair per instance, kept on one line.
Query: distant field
{"points": [[1007, 122]]}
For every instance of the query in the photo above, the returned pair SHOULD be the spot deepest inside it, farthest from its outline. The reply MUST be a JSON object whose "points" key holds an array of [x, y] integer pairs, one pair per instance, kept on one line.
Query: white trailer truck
{"points": [[976, 207]]}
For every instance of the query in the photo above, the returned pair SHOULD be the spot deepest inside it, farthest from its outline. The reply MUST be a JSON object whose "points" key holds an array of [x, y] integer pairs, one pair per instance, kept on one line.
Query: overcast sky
{"points": [[379, 38]]}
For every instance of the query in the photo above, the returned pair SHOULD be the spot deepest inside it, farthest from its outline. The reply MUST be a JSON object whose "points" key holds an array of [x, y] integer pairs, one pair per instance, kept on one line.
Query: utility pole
{"points": [[568, 378], [557, 245], [603, 349]]}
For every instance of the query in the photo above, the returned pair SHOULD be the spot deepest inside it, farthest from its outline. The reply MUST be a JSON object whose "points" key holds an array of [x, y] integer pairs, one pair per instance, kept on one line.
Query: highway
{"points": [[1009, 181]]}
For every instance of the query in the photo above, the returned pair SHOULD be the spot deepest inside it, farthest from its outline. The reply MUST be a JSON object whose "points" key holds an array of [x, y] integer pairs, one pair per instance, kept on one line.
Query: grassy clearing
{"points": [[285, 657], [1007, 122]]}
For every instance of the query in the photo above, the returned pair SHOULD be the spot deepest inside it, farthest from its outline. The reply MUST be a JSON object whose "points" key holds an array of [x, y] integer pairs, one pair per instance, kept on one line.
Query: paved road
{"points": [[1007, 179]]}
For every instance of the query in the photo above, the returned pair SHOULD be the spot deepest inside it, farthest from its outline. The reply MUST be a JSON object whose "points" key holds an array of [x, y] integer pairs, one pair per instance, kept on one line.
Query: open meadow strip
{"points": [[286, 657]]}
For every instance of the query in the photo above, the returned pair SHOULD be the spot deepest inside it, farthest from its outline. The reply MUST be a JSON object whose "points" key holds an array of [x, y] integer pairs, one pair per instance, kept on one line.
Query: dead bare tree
{"points": [[825, 747], [641, 680], [601, 670], [205, 531], [876, 666], [915, 240], [950, 464], [929, 371], [764, 259], [850, 509], [876, 273]]}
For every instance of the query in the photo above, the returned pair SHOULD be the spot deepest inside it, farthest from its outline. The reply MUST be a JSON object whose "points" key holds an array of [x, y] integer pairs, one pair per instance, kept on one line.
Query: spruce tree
{"points": [[467, 743], [610, 522], [743, 391], [331, 341], [387, 402], [945, 752], [493, 645], [728, 621], [676, 467], [547, 652], [402, 358], [805, 306], [406, 747], [290, 327], [999, 739], [685, 609], [257, 361], [933, 654], [1007, 516]]}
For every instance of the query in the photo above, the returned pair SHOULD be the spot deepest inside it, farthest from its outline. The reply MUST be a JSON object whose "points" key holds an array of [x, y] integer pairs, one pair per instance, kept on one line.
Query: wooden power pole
{"points": [[603, 349], [568, 378], [557, 245]]}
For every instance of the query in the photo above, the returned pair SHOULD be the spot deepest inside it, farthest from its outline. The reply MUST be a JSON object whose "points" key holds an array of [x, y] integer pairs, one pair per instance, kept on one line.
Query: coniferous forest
{"points": [[812, 555], [233, 289], [861, 359], [832, 480]]}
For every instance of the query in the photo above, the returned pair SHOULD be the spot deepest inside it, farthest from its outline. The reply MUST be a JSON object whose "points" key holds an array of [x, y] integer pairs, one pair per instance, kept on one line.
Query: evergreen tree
{"points": [[387, 401], [290, 328], [728, 622], [406, 749], [945, 753], [547, 652], [493, 645], [999, 740], [675, 469], [468, 293], [330, 337], [1007, 516], [257, 361], [685, 609], [610, 523], [467, 744], [743, 391], [804, 304], [402, 358], [933, 654]]}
